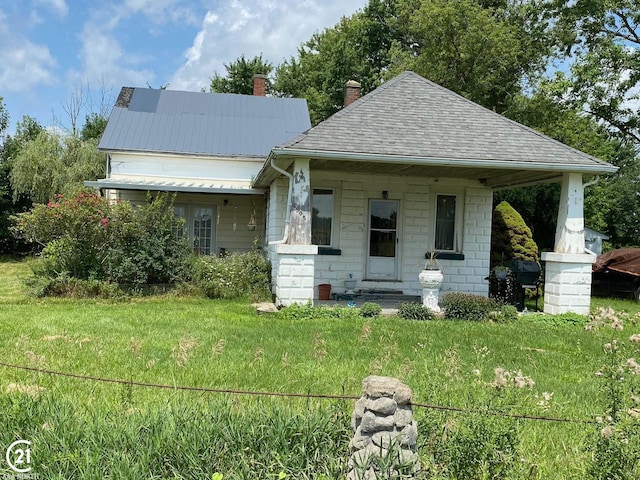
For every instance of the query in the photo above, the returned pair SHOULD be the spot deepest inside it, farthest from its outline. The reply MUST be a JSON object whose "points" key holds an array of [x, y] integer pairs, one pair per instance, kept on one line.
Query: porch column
{"points": [[294, 269], [568, 268], [300, 207]]}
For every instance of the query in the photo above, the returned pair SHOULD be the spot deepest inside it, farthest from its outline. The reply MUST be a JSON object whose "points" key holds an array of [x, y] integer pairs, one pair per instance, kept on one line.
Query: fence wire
{"points": [[229, 391]]}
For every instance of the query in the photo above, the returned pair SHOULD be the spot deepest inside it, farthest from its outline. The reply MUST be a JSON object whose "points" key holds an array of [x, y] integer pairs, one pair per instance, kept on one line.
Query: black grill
{"points": [[527, 275]]}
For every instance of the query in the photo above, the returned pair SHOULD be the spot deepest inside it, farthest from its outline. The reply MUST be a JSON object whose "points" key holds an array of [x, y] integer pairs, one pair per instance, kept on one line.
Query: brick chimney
{"points": [[351, 92], [259, 85]]}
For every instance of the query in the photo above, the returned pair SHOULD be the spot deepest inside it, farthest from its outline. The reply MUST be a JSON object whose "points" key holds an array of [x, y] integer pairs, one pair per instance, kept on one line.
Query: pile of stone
{"points": [[384, 443]]}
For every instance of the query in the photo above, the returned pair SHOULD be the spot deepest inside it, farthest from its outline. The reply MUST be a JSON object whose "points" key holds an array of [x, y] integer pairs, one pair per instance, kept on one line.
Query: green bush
{"points": [[466, 306], [234, 275], [370, 309], [478, 447], [506, 314], [309, 312], [510, 237], [415, 311], [86, 237]]}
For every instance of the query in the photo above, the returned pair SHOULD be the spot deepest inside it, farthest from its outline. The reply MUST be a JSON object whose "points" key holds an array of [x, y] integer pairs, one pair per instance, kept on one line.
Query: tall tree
{"points": [[481, 49], [609, 204], [94, 126], [484, 51], [4, 118], [602, 39], [26, 130], [239, 77], [52, 164], [357, 48]]}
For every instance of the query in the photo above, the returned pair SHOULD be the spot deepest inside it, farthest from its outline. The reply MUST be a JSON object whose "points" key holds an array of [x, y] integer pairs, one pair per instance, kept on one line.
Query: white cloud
{"points": [[101, 55], [254, 27], [60, 7], [25, 65], [162, 11]]}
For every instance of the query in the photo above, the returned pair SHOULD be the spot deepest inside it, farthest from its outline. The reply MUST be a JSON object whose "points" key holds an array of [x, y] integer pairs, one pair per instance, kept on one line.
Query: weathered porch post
{"points": [[568, 268], [295, 260]]}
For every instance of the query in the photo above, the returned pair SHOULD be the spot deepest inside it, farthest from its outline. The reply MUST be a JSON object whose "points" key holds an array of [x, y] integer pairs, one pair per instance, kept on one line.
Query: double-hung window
{"points": [[448, 224], [322, 203]]}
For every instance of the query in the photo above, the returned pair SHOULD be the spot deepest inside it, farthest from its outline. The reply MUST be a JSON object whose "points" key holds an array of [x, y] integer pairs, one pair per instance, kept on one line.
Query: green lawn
{"points": [[222, 344]]}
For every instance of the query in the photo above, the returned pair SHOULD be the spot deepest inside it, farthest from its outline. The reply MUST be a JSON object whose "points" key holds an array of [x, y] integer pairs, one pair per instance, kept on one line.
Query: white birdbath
{"points": [[431, 281]]}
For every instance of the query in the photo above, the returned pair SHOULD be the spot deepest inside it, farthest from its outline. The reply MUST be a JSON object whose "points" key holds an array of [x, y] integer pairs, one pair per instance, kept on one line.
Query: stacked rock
{"points": [[385, 432]]}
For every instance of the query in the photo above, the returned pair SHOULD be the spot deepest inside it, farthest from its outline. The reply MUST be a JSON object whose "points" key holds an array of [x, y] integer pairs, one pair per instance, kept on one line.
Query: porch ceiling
{"points": [[495, 175], [490, 177]]}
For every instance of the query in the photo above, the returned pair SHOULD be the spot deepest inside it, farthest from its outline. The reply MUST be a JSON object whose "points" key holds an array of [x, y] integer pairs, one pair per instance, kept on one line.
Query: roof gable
{"points": [[411, 117], [195, 123]]}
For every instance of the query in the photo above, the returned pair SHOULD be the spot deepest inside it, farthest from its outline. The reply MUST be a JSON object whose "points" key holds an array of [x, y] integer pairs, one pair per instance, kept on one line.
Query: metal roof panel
{"points": [[204, 123]]}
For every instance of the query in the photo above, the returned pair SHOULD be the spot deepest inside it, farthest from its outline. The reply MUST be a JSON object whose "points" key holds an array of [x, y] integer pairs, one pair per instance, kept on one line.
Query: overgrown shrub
{"points": [[467, 306], [88, 238], [234, 275], [370, 309], [415, 311]]}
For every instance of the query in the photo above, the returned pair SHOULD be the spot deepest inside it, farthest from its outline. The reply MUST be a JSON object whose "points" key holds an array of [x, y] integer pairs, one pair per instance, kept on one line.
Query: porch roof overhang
{"points": [[496, 174], [173, 185]]}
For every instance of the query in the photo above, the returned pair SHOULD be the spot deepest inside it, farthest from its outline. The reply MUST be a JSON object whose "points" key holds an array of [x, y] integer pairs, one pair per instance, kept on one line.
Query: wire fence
{"points": [[229, 391]]}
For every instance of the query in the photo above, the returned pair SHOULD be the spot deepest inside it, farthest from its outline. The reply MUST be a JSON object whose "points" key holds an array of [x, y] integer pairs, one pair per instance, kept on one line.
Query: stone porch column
{"points": [[568, 268], [294, 261]]}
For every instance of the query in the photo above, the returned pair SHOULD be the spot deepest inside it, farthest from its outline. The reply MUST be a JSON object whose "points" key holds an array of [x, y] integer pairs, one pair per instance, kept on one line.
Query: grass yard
{"points": [[85, 429]]}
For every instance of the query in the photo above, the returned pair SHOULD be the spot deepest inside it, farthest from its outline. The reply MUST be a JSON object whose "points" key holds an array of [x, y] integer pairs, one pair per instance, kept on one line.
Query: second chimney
{"points": [[259, 84], [351, 92]]}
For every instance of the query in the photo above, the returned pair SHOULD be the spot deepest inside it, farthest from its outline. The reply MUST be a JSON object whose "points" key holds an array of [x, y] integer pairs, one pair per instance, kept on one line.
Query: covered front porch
{"points": [[365, 232], [363, 198]]}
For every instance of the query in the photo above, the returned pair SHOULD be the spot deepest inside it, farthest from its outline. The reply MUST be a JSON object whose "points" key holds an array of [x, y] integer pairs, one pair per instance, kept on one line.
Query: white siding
{"points": [[129, 165]]}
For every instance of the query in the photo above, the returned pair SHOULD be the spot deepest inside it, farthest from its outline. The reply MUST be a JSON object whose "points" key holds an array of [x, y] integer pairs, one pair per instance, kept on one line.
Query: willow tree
{"points": [[52, 164]]}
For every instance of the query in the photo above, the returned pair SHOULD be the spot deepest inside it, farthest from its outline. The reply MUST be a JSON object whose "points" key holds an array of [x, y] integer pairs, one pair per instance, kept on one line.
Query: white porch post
{"points": [[300, 207], [294, 269], [568, 268]]}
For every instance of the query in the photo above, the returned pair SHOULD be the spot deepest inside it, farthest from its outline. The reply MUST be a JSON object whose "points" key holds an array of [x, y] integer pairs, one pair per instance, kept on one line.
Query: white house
{"points": [[207, 147], [367, 194]]}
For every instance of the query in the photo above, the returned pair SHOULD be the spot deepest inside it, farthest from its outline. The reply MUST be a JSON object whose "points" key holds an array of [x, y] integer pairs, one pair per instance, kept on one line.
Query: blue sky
{"points": [[51, 48]]}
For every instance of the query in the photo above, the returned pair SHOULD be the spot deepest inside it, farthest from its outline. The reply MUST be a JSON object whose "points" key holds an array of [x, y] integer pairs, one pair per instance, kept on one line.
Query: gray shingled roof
{"points": [[414, 127], [193, 123], [414, 117]]}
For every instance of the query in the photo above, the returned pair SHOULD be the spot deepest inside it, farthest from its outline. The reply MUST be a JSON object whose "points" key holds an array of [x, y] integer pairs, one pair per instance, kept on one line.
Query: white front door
{"points": [[382, 251]]}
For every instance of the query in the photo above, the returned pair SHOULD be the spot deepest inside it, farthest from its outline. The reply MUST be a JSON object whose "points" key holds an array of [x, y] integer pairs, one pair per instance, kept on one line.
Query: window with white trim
{"points": [[322, 208]]}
